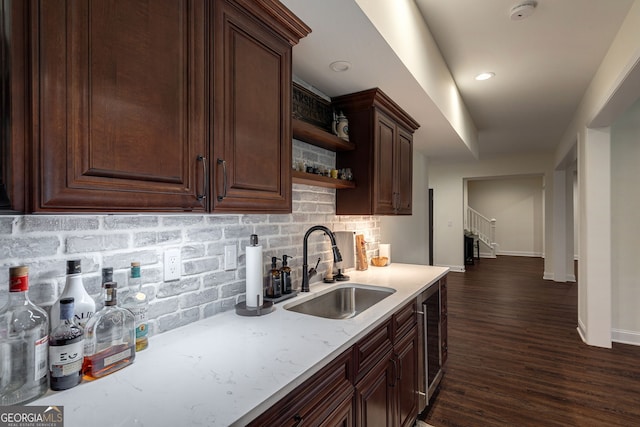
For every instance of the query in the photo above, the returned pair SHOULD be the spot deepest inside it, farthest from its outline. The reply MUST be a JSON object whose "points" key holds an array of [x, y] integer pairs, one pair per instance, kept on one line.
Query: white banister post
{"points": [[493, 236]]}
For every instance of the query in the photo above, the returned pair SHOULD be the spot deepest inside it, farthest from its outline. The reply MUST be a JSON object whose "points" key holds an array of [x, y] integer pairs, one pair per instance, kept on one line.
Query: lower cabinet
{"points": [[326, 399], [387, 394], [374, 383]]}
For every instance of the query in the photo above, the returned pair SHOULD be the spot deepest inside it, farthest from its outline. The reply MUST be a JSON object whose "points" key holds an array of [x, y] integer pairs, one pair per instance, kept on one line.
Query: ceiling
{"points": [[542, 64]]}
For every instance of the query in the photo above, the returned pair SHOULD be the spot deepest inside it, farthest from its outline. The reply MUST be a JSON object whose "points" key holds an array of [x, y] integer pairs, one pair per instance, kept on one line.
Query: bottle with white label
{"points": [[84, 305], [24, 336], [66, 349]]}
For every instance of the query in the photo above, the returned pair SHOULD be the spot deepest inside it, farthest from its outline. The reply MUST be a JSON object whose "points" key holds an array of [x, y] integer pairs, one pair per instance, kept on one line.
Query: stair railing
{"points": [[482, 227]]}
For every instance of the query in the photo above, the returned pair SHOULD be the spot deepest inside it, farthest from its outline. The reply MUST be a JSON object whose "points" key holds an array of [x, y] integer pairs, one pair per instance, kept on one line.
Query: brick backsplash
{"points": [[46, 242]]}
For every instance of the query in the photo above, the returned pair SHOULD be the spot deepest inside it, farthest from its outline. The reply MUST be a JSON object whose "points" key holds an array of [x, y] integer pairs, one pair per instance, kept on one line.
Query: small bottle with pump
{"points": [[285, 276], [274, 283]]}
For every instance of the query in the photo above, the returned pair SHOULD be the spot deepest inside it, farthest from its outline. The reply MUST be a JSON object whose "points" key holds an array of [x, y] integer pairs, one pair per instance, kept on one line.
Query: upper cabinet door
{"points": [[404, 166], [120, 117], [251, 114], [384, 191]]}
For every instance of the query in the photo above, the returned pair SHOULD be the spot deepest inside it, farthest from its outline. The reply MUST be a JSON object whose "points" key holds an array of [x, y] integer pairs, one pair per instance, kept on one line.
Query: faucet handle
{"points": [[314, 270]]}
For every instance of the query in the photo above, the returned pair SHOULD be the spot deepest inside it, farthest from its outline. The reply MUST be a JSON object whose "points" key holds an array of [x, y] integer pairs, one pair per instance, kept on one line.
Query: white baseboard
{"points": [[454, 268], [625, 337], [551, 276], [487, 255], [582, 331], [520, 253]]}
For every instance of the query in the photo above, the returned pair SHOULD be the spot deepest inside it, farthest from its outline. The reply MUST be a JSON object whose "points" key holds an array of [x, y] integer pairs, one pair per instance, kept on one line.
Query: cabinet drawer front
{"points": [[372, 348], [316, 399], [404, 320]]}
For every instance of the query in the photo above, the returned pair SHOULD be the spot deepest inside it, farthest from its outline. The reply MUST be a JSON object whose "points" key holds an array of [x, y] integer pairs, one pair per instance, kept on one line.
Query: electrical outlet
{"points": [[230, 257], [172, 265]]}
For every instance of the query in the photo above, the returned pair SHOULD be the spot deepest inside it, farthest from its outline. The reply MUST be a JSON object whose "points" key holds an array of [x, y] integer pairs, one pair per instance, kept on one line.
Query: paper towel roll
{"points": [[254, 276], [385, 250]]}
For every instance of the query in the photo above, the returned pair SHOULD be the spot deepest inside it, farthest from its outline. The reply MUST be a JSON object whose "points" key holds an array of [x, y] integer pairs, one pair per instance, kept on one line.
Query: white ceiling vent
{"points": [[522, 10]]}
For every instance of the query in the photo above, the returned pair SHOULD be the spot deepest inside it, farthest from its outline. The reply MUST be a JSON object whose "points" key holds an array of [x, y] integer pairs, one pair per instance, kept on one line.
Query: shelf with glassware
{"points": [[321, 180], [314, 135]]}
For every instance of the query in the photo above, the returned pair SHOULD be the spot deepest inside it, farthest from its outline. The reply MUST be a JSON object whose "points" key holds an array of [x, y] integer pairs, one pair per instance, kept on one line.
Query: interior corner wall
{"points": [[409, 235], [625, 235]]}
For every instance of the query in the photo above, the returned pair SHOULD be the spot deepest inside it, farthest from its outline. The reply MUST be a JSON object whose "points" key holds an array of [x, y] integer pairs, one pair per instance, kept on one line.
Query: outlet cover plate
{"points": [[172, 265], [230, 257]]}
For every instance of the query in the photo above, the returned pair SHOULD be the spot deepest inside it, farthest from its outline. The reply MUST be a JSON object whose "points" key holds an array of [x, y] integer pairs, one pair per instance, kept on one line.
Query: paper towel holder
{"points": [[242, 309]]}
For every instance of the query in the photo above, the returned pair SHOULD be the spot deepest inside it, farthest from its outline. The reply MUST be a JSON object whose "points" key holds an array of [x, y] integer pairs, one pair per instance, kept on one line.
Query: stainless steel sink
{"points": [[343, 302]]}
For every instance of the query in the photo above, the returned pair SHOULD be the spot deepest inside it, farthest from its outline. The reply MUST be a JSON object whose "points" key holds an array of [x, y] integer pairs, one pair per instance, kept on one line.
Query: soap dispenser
{"points": [[285, 275], [274, 284]]}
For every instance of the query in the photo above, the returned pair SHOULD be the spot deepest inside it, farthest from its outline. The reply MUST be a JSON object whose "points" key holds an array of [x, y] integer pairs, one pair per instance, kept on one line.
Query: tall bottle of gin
{"points": [[109, 338], [24, 333], [84, 305], [136, 302], [66, 349]]}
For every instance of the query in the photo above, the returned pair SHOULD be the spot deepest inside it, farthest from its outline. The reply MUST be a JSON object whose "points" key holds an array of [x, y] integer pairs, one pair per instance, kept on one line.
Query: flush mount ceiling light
{"points": [[340, 66], [485, 76], [522, 10]]}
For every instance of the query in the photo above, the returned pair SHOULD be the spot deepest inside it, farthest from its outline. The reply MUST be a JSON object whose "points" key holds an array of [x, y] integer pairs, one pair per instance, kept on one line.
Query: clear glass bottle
{"points": [[24, 334], [66, 349], [109, 338], [84, 305], [136, 302]]}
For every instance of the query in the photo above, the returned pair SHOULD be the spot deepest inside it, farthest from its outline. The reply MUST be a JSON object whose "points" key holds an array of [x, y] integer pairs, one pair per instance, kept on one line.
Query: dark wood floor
{"points": [[516, 359]]}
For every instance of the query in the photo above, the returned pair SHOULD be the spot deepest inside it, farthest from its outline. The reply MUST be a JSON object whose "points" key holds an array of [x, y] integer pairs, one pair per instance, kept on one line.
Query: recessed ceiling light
{"points": [[485, 76], [340, 66]]}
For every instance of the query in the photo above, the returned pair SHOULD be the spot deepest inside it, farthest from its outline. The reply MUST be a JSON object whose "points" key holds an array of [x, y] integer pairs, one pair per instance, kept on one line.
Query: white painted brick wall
{"points": [[46, 242]]}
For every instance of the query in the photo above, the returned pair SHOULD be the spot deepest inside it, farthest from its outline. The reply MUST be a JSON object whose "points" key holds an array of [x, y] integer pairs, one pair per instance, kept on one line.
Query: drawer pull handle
{"points": [[224, 179], [298, 419], [203, 196]]}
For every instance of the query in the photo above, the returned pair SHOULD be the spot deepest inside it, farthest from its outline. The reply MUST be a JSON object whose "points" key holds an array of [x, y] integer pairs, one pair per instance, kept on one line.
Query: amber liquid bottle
{"points": [[110, 338]]}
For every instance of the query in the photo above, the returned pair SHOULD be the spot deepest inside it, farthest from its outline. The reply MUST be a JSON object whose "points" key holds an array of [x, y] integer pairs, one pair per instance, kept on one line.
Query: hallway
{"points": [[515, 357]]}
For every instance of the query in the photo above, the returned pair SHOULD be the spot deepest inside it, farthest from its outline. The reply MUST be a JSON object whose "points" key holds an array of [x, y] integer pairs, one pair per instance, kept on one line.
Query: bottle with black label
{"points": [[285, 275], [274, 284]]}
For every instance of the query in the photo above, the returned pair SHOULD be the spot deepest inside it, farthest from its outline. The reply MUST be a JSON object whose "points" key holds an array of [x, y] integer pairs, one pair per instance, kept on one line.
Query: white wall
{"points": [[517, 205], [409, 235], [447, 181], [625, 233]]}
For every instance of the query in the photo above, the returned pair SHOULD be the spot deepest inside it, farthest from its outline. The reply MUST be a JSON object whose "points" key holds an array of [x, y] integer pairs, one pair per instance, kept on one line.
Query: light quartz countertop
{"points": [[228, 369]]}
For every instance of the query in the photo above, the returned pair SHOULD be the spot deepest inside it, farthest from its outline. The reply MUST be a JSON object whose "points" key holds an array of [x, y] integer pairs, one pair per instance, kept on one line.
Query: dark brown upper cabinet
{"points": [[251, 111], [382, 162], [161, 105], [13, 105]]}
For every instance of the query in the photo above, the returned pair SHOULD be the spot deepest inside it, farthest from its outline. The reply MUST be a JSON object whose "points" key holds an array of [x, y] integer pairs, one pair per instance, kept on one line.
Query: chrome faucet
{"points": [[307, 274]]}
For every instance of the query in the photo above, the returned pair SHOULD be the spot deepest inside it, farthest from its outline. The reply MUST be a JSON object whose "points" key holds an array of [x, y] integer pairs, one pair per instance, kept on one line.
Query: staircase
{"points": [[482, 228]]}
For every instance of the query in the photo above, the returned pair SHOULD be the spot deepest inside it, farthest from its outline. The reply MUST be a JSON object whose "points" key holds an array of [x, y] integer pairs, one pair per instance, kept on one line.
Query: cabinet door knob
{"points": [[203, 160], [224, 179]]}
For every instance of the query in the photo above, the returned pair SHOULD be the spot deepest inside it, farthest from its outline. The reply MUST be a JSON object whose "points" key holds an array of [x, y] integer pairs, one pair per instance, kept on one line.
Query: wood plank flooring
{"points": [[516, 359]]}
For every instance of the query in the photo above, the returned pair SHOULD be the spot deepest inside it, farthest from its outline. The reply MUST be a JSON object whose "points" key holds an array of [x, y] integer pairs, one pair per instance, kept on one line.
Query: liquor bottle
{"points": [[136, 302], [274, 285], [24, 329], [107, 276], [109, 338], [84, 305], [66, 349], [285, 275]]}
